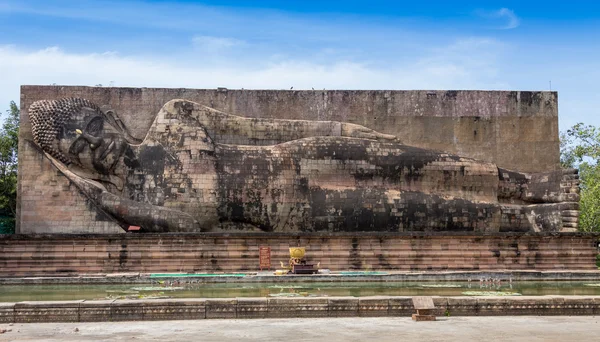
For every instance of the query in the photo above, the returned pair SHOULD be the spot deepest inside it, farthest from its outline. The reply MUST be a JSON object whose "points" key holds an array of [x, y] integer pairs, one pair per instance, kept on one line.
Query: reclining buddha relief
{"points": [[199, 169]]}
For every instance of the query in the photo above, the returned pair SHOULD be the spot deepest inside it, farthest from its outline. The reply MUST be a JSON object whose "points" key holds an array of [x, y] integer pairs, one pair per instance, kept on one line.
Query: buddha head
{"points": [[76, 131]]}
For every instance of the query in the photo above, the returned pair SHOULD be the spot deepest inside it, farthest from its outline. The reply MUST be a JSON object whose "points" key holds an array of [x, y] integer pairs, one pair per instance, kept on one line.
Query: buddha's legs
{"points": [[337, 184]]}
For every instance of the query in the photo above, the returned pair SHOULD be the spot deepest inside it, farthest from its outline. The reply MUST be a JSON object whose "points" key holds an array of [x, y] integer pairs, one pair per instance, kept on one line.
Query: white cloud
{"points": [[512, 20], [215, 44], [504, 18], [469, 63], [441, 69]]}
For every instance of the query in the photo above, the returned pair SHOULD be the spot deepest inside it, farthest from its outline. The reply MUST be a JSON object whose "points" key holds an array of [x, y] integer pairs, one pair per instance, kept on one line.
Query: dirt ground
{"points": [[523, 328]]}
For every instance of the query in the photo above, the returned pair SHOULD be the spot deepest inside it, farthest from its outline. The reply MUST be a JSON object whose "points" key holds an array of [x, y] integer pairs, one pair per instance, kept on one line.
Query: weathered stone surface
{"points": [[7, 312], [400, 306], [298, 307], [373, 306], [462, 306], [580, 305], [343, 306], [95, 311], [441, 305], [221, 173], [55, 311], [492, 306], [127, 310], [171, 309], [252, 307], [221, 308]]}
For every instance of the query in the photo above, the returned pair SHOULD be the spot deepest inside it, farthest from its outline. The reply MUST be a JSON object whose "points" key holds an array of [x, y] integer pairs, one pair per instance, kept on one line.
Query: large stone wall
{"points": [[489, 126], [50, 255]]}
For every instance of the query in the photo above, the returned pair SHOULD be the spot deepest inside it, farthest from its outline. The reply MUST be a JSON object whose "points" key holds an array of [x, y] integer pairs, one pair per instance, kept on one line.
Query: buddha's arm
{"points": [[220, 124], [151, 218], [126, 212]]}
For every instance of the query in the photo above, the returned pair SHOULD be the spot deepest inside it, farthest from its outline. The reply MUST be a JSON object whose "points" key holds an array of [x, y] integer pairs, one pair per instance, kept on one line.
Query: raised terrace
{"points": [[61, 254], [365, 179]]}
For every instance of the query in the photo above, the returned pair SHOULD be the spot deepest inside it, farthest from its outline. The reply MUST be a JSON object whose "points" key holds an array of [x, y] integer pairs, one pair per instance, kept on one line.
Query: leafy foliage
{"points": [[580, 148], [9, 140]]}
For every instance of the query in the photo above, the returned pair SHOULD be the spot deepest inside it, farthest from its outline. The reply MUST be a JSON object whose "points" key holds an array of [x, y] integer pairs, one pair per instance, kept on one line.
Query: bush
{"points": [[7, 225]]}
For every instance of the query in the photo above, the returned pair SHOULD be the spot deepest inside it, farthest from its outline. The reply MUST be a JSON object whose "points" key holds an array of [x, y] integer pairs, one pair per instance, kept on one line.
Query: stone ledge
{"points": [[252, 307], [7, 312], [312, 307], [47, 311], [253, 277]]}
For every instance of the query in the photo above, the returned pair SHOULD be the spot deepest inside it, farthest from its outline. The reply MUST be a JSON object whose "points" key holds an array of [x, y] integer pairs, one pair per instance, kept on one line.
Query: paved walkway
{"points": [[523, 328]]}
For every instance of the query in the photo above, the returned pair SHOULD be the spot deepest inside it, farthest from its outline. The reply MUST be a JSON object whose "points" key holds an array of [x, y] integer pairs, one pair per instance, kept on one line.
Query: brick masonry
{"points": [[475, 124], [198, 308], [56, 254]]}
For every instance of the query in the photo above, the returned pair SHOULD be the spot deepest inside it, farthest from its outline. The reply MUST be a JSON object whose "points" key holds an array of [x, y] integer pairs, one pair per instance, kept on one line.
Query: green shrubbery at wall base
{"points": [[9, 140], [580, 148], [7, 225]]}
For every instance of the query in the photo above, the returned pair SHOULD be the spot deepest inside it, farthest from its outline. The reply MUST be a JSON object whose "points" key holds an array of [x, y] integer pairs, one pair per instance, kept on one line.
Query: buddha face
{"points": [[92, 142]]}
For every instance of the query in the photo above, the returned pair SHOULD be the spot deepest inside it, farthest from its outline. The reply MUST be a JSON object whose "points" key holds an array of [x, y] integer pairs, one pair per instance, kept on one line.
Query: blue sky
{"points": [[507, 45]]}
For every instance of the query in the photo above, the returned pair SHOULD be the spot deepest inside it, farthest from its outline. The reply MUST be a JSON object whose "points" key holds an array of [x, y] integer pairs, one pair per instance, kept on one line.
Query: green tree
{"points": [[9, 141], [580, 148]]}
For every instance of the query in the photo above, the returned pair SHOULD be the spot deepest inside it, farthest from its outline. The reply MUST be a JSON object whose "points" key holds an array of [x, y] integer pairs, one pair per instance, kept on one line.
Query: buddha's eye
{"points": [[94, 127]]}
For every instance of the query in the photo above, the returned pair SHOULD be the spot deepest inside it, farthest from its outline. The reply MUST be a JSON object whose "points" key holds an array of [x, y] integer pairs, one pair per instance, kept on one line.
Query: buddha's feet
{"points": [[552, 187]]}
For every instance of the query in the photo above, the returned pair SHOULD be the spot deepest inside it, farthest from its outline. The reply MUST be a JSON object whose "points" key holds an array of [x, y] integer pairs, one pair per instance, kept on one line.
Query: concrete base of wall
{"points": [[178, 309], [51, 255]]}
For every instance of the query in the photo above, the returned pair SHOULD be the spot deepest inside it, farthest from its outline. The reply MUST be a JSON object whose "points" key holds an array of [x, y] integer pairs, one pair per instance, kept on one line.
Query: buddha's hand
{"points": [[358, 131]]}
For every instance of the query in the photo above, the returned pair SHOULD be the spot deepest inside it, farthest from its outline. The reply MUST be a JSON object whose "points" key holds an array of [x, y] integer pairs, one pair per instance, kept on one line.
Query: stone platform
{"points": [[310, 307], [64, 254], [269, 277]]}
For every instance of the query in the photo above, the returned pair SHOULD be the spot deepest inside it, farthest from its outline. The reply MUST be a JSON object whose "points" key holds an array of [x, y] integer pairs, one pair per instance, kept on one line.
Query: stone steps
{"points": [[24, 255]]}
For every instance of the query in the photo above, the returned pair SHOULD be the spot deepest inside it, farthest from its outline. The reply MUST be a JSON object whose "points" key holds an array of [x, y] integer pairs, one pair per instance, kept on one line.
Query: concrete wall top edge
{"points": [[336, 104], [28, 86], [442, 93]]}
